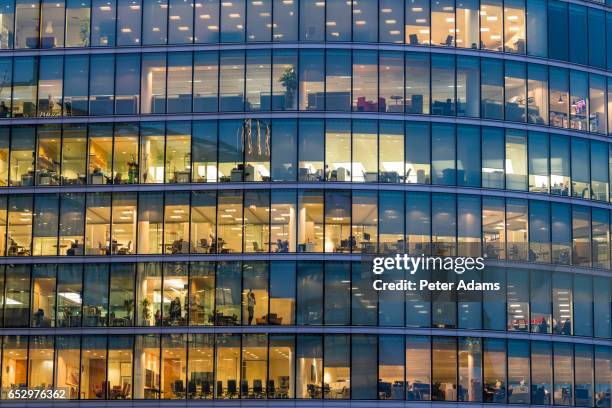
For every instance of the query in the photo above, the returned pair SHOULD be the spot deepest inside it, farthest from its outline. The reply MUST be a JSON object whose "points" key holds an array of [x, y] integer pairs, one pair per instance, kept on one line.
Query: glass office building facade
{"points": [[191, 193]]}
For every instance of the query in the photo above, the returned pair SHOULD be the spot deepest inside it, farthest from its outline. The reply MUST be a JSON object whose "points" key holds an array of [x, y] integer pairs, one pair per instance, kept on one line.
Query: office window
{"points": [[309, 367], [200, 364], [537, 94], [69, 301], [491, 23], [492, 89], [467, 24], [229, 224], [129, 21], [518, 371], [206, 22], [597, 104], [19, 227], [563, 373], [228, 306], [6, 78], [97, 227], [180, 81], [203, 222], [418, 222], [578, 27], [24, 79], [443, 85], [151, 152], [119, 374], [123, 233], [48, 154], [561, 233], [338, 20], [365, 151], [516, 228], [391, 363], [153, 83], [364, 366], [100, 153], [337, 367], [443, 151], [232, 21], [42, 312], [231, 82], [312, 17], [312, 79], [578, 100], [227, 366], [103, 23], [27, 21], [337, 306], [204, 151], [174, 366], [77, 15], [7, 26], [231, 150], [258, 76], [67, 364], [205, 81], [538, 162], [101, 84], [148, 294], [391, 222], [514, 26], [365, 21], [417, 82], [599, 171], [178, 152], [338, 150], [597, 38], [444, 224], [469, 225], [93, 367], [390, 82], [493, 152], [560, 164], [256, 221], [418, 368], [517, 296], [285, 79], [180, 23], [310, 150], [284, 150], [176, 223], [282, 293], [391, 153], [468, 86], [583, 376], [310, 227], [338, 80], [254, 293], [95, 295], [516, 160], [365, 82], [338, 221], [562, 295], [494, 363], [76, 84], [45, 229], [201, 296], [559, 97], [50, 74], [583, 305], [515, 92], [391, 21], [537, 28], [14, 363], [147, 349], [541, 372], [364, 222], [580, 171], [444, 369], [150, 216], [539, 231], [443, 23], [283, 221], [469, 356], [468, 156], [494, 227], [73, 154], [254, 366], [309, 295], [121, 297], [285, 26], [558, 13], [125, 154]]}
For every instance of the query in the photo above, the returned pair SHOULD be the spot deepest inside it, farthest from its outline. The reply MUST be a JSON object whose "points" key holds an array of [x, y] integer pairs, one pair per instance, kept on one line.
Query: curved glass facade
{"points": [[192, 194]]}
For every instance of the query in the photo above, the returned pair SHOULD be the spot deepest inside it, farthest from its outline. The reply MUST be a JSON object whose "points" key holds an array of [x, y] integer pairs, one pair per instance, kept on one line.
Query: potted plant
{"points": [[146, 312], [290, 82]]}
